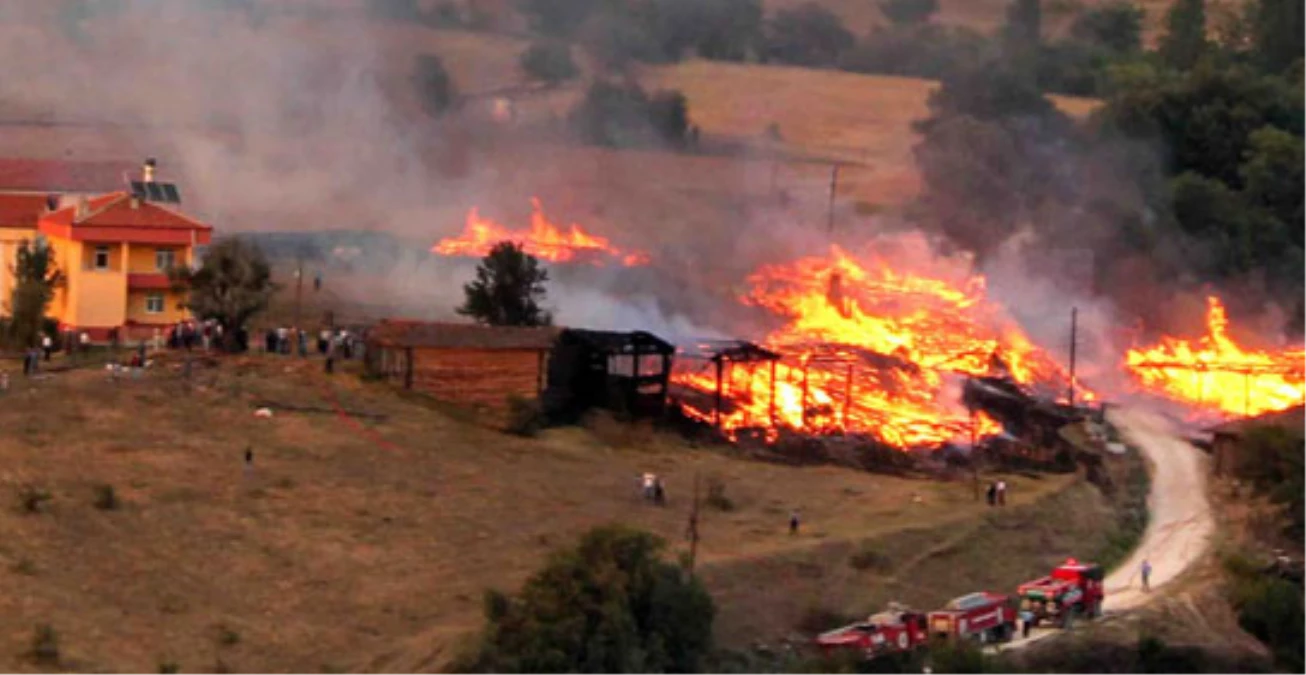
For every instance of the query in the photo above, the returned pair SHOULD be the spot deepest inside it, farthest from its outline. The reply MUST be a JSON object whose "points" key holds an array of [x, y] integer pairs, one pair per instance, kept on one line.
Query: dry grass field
{"points": [[360, 544]]}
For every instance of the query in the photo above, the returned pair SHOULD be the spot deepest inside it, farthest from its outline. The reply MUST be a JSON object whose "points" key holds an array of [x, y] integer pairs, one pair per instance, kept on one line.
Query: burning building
{"points": [[543, 239]]}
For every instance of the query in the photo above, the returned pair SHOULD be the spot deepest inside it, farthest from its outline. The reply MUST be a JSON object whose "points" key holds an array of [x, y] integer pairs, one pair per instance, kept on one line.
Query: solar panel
{"points": [[138, 189], [170, 194], [155, 191]]}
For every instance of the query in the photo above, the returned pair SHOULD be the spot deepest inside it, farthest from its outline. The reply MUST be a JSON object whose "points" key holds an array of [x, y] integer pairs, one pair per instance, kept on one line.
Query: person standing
{"points": [[47, 346], [793, 522], [1146, 573], [1002, 493], [992, 494], [330, 352]]}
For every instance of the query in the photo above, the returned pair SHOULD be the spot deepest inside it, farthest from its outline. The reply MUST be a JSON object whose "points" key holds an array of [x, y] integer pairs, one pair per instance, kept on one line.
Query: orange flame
{"points": [[879, 351], [1215, 374], [543, 240]]}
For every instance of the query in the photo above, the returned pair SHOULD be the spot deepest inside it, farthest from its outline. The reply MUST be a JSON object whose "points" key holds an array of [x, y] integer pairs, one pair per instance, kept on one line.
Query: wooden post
{"points": [[804, 423], [693, 528], [847, 396], [1074, 317], [408, 368], [716, 411], [974, 454], [773, 362], [834, 187]]}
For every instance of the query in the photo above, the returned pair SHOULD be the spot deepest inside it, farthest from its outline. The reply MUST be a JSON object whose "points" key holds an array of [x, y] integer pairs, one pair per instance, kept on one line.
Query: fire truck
{"points": [[1073, 588], [983, 617], [892, 631]]}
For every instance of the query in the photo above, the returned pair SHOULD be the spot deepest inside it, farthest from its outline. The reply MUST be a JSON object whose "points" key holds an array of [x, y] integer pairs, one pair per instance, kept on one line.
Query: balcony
{"points": [[148, 281]]}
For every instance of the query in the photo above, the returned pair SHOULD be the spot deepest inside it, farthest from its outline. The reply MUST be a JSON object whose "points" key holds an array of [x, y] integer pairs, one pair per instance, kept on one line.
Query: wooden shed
{"points": [[627, 373], [1226, 439], [468, 364]]}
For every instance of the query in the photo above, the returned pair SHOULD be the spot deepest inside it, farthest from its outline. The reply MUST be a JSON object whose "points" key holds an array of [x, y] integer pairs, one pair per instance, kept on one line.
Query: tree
{"points": [[611, 605], [1023, 31], [435, 90], [1277, 28], [508, 289], [624, 115], [558, 18], [1116, 26], [1184, 42], [1273, 177], [548, 61], [809, 35], [233, 284], [36, 276], [909, 12]]}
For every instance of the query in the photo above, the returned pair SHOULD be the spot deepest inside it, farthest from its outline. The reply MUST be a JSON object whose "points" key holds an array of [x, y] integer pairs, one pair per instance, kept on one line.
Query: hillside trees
{"points": [[807, 35], [36, 276], [909, 12], [1184, 41], [610, 605], [434, 87], [508, 289], [624, 115], [233, 284], [548, 61]]}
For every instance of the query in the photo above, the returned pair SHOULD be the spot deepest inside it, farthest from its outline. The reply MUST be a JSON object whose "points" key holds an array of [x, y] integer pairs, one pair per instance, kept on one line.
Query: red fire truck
{"points": [[1072, 588], [891, 631], [984, 617]]}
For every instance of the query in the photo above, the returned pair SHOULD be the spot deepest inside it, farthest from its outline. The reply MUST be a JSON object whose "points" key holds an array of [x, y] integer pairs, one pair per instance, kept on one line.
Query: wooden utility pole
{"points": [[299, 288], [834, 187], [693, 528], [1074, 319]]}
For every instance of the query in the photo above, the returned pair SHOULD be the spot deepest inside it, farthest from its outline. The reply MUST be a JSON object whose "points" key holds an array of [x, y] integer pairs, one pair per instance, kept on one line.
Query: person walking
{"points": [[330, 353], [1002, 493], [793, 522], [47, 346], [992, 494], [1146, 573]]}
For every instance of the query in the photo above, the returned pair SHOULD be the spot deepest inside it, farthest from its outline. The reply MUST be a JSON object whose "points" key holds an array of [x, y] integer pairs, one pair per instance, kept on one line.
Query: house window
{"points": [[101, 257], [164, 259], [154, 303]]}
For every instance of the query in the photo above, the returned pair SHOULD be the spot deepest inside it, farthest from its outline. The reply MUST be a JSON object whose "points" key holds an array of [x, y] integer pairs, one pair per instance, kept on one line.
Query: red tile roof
{"points": [[406, 333], [116, 210], [21, 210], [18, 174]]}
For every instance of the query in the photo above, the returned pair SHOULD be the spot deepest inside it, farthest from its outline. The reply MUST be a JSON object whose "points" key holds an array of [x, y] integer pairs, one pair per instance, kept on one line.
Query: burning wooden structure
{"points": [[623, 372], [1031, 425], [718, 359], [464, 363]]}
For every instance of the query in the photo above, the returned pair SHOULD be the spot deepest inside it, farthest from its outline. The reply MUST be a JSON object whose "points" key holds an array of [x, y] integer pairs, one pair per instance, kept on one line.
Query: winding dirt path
{"points": [[1180, 523]]}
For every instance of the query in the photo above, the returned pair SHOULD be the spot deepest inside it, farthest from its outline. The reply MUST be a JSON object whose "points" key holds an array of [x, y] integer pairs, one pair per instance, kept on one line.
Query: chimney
{"points": [[82, 208], [147, 174]]}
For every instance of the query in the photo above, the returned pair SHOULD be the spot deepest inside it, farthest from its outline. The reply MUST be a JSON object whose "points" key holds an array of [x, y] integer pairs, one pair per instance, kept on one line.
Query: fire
{"points": [[543, 240], [871, 348], [1215, 374]]}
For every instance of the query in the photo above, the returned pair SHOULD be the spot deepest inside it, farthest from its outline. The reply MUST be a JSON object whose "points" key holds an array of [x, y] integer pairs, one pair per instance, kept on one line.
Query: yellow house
{"points": [[115, 251]]}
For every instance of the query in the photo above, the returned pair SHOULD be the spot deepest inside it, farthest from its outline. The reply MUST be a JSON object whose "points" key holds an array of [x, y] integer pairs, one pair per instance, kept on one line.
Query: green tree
{"points": [[1184, 42], [558, 18], [1023, 31], [36, 276], [807, 35], [1273, 177], [508, 289], [233, 284], [611, 605], [1116, 26], [435, 90], [1278, 27], [623, 115], [548, 61], [909, 12]]}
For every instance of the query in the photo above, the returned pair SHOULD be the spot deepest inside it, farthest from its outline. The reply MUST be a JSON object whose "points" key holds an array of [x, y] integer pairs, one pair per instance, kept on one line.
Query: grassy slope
{"points": [[339, 552]]}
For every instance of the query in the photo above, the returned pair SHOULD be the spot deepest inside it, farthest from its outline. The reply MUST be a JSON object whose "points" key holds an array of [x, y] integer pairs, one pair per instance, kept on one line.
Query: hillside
{"points": [[354, 545]]}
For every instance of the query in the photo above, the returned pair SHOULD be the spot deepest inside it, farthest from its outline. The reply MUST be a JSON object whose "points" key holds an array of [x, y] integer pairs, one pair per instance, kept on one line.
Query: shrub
{"points": [[32, 497], [609, 605], [169, 667], [45, 644], [228, 637], [716, 495], [624, 115], [105, 498], [525, 416], [435, 90], [870, 559], [548, 61]]}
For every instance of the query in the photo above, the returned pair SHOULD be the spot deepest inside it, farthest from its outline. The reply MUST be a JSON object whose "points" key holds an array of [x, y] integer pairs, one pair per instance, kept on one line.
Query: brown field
{"points": [[355, 545]]}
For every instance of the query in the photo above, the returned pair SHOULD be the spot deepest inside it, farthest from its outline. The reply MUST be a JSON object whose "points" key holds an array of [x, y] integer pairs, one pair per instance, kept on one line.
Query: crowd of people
{"points": [[328, 343]]}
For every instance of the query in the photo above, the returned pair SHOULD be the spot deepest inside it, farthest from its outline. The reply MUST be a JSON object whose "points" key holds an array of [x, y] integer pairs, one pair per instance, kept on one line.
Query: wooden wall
{"points": [[482, 379]]}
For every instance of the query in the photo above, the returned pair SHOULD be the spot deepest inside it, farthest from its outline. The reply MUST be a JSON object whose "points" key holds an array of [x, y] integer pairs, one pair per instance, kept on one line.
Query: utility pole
{"points": [[693, 528], [1074, 319], [974, 454], [834, 186], [299, 287]]}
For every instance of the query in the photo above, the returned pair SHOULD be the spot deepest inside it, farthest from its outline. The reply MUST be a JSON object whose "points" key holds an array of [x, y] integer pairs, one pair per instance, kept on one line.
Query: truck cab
{"points": [[891, 631], [1071, 588]]}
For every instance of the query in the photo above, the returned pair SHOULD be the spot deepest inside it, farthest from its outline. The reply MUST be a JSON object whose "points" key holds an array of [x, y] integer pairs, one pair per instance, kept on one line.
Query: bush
{"points": [[105, 498], [624, 115], [45, 645], [525, 416], [32, 497], [870, 559], [1271, 609], [609, 605], [548, 61], [808, 35], [716, 495], [166, 667]]}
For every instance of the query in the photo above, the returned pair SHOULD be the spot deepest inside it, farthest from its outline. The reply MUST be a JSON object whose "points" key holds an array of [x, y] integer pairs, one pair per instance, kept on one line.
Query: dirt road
{"points": [[1180, 523]]}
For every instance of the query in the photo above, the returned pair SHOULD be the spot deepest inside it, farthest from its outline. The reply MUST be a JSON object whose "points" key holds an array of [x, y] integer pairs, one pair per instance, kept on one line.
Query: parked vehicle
{"points": [[894, 630], [1074, 588], [983, 617]]}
